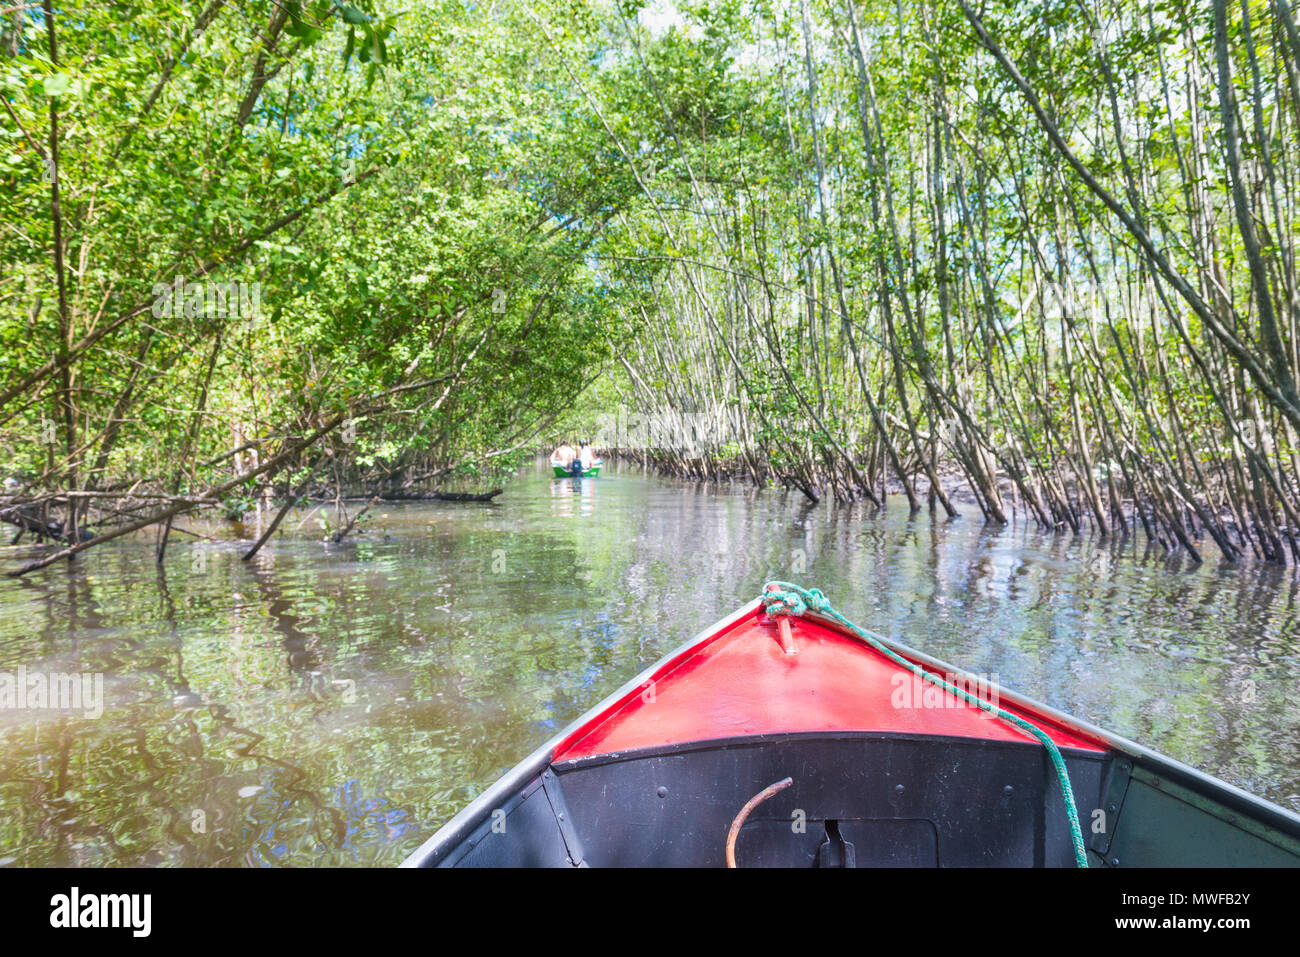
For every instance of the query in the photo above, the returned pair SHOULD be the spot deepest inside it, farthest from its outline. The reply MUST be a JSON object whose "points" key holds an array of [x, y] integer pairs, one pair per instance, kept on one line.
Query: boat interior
{"points": [[857, 800]]}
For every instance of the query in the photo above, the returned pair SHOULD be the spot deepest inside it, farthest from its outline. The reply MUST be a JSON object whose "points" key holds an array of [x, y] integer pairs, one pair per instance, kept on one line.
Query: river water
{"points": [[335, 704]]}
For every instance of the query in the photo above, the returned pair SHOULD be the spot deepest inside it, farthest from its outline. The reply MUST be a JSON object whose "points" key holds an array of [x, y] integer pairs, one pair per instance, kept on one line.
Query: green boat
{"points": [[562, 472]]}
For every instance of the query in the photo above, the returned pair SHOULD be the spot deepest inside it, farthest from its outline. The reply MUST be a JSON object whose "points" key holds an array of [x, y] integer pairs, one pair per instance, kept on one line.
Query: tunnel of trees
{"points": [[1034, 256]]}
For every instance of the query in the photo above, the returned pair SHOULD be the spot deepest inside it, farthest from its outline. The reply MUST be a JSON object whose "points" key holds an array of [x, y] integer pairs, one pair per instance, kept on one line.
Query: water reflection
{"points": [[570, 496], [334, 704]]}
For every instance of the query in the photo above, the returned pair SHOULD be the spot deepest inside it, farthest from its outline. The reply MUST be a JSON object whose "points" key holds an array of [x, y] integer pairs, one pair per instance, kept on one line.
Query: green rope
{"points": [[785, 598]]}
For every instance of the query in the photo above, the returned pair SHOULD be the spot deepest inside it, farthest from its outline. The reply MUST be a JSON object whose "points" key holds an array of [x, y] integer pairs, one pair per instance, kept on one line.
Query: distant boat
{"points": [[783, 740], [562, 472]]}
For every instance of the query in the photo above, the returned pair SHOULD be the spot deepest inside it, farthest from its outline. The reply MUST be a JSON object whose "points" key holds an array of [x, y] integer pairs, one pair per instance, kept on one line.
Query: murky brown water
{"points": [[335, 704]]}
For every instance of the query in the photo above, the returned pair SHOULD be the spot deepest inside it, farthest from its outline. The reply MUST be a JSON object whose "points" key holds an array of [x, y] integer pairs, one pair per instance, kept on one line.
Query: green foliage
{"points": [[413, 191]]}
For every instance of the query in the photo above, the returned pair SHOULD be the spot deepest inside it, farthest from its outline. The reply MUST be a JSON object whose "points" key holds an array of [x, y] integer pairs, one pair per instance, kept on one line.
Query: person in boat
{"points": [[577, 467], [586, 456], [564, 455]]}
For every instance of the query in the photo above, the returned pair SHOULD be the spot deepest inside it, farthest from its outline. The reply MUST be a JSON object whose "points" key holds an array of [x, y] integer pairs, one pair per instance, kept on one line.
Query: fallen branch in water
{"points": [[210, 496], [440, 496]]}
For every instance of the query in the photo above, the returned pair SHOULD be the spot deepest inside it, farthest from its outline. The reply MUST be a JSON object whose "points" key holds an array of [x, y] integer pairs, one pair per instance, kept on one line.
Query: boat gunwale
{"points": [[460, 826], [565, 765]]}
